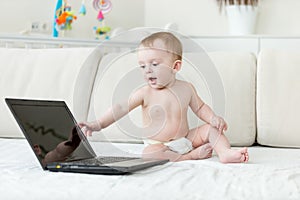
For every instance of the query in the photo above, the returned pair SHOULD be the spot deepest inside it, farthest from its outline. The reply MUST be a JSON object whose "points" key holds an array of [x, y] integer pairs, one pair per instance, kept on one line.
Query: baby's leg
{"points": [[202, 152], [160, 151], [220, 144]]}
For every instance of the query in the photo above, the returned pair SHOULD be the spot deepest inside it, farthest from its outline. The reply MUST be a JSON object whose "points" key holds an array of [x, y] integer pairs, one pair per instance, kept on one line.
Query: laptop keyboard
{"points": [[103, 160]]}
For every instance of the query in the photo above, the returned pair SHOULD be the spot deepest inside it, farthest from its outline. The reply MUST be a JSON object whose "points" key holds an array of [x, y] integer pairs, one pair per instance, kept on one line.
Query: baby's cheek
{"points": [[165, 76]]}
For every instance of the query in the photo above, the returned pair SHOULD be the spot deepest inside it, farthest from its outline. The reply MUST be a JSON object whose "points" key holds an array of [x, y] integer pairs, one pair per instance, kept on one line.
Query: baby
{"points": [[165, 101]]}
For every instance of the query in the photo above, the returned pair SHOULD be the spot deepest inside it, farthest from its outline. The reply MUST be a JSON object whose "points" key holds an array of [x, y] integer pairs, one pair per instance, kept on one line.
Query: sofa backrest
{"points": [[238, 72], [278, 98], [58, 74], [119, 74]]}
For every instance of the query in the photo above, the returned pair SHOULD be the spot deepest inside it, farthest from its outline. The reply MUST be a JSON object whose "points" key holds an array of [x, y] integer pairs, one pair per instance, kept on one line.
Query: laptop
{"points": [[60, 145]]}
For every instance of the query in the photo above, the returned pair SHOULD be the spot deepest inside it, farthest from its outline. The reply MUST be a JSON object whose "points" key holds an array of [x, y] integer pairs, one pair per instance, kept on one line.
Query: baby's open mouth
{"points": [[152, 80]]}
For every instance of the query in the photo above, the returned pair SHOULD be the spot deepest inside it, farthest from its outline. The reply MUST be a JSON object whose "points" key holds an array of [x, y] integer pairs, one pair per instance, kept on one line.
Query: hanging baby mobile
{"points": [[103, 7], [63, 17]]}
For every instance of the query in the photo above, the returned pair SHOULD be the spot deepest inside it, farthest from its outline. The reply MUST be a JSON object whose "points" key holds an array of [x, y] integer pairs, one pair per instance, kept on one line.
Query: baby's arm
{"points": [[204, 112], [114, 113]]}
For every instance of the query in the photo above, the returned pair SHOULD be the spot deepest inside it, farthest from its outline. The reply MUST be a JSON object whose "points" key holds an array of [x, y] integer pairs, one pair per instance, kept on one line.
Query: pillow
{"points": [[238, 73], [61, 74], [278, 98]]}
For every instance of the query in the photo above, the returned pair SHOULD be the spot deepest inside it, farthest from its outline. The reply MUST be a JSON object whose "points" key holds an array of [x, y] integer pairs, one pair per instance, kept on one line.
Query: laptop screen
{"points": [[50, 130]]}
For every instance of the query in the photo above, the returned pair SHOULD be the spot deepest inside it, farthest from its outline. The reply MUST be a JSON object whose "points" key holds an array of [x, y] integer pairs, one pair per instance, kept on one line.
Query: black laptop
{"points": [[59, 143]]}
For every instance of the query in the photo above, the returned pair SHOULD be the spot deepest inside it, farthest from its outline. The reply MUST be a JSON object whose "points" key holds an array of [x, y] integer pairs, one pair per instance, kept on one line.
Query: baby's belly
{"points": [[169, 131], [165, 125]]}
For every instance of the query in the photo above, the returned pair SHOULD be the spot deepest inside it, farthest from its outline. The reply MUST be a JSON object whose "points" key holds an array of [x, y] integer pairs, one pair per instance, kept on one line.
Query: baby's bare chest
{"points": [[166, 103]]}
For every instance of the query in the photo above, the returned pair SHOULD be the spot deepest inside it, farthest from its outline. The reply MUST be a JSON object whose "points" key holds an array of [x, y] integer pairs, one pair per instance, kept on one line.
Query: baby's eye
{"points": [[154, 64], [142, 66]]}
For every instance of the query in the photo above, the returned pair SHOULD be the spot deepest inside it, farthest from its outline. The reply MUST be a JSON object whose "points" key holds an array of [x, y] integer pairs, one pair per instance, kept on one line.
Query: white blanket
{"points": [[272, 173]]}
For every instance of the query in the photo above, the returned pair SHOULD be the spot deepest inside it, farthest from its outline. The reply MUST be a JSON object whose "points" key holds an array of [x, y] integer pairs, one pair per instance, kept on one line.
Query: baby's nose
{"points": [[148, 69]]}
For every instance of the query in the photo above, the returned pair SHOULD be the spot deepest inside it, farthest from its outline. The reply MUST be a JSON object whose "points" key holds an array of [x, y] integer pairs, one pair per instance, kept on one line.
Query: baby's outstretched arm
{"points": [[113, 114]]}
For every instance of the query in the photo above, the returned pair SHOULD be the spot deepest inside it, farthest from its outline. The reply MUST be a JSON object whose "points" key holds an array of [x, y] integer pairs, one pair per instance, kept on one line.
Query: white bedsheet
{"points": [[272, 173]]}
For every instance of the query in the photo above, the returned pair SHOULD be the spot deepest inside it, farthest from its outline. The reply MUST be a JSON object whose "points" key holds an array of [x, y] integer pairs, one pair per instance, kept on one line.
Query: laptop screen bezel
{"points": [[38, 102]]}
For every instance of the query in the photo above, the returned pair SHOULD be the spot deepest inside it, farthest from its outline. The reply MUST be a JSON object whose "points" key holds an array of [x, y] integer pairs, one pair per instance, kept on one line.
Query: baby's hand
{"points": [[88, 127], [219, 123]]}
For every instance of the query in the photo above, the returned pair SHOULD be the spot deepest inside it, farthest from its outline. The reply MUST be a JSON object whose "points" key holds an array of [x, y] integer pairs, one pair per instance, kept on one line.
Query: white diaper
{"points": [[181, 145]]}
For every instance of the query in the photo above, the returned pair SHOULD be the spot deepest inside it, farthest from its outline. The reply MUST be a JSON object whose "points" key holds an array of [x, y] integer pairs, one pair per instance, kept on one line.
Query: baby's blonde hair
{"points": [[171, 42]]}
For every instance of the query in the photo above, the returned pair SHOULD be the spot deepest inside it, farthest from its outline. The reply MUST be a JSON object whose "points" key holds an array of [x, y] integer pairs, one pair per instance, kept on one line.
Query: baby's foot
{"points": [[202, 152], [234, 156]]}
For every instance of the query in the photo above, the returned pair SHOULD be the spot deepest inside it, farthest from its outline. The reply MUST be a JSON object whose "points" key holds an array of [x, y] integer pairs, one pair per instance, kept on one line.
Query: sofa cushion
{"points": [[231, 87], [238, 73], [278, 98], [61, 74]]}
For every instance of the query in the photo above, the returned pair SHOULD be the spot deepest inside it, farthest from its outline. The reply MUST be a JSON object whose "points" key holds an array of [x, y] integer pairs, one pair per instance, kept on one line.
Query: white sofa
{"points": [[259, 99]]}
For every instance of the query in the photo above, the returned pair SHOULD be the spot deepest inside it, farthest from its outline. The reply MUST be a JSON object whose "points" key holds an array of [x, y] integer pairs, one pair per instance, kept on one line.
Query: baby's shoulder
{"points": [[186, 84], [143, 90]]}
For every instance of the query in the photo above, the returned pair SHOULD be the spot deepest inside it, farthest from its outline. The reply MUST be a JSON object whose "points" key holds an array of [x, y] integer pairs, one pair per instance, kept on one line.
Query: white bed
{"points": [[275, 175]]}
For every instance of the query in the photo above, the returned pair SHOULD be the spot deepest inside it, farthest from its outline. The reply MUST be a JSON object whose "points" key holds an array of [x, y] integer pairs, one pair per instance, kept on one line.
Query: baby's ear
{"points": [[177, 65]]}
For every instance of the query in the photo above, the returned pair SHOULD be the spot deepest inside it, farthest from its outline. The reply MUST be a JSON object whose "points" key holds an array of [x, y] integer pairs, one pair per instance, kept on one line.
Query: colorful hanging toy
{"points": [[82, 10], [63, 18], [103, 7]]}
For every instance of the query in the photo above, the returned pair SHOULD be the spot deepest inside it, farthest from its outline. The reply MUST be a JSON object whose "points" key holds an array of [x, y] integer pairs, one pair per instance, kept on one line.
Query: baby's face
{"points": [[157, 67]]}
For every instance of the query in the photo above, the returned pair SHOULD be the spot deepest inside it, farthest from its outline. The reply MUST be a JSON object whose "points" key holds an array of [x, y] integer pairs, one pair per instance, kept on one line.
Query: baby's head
{"points": [[160, 57], [165, 41]]}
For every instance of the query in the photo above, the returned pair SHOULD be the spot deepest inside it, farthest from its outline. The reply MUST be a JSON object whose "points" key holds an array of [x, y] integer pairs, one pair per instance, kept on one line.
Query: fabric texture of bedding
{"points": [[272, 173]]}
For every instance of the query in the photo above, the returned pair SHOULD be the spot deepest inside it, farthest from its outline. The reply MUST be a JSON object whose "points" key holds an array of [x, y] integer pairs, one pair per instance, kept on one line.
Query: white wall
{"points": [[279, 17], [16, 15], [202, 17], [194, 17]]}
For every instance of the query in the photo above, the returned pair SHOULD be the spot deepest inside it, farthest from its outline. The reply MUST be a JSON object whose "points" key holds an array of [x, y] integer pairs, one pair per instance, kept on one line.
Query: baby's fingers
{"points": [[225, 127], [83, 129], [89, 133], [82, 124], [220, 125]]}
